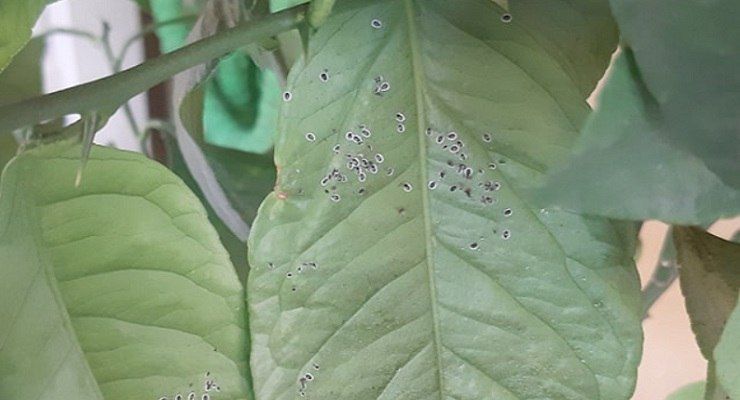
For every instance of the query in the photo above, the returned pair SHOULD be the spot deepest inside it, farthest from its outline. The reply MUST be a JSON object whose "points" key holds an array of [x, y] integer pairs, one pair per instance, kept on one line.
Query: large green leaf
{"points": [[727, 355], [17, 17], [622, 168], [687, 54], [118, 288], [400, 287]]}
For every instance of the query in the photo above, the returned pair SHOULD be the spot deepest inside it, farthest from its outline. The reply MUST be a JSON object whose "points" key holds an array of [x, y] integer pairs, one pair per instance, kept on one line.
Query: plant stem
{"points": [[112, 91], [663, 275]]}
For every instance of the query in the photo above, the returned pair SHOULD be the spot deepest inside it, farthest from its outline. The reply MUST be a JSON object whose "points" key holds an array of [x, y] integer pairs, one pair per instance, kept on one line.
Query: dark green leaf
{"points": [[623, 168], [399, 290], [116, 289], [687, 54]]}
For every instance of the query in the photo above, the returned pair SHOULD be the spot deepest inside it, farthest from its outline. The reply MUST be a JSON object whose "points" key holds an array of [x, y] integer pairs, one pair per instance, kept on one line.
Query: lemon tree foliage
{"points": [[117, 289], [397, 257]]}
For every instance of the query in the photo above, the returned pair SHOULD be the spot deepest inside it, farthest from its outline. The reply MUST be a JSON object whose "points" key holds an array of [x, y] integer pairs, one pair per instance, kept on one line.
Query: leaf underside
{"points": [[118, 289], [394, 285]]}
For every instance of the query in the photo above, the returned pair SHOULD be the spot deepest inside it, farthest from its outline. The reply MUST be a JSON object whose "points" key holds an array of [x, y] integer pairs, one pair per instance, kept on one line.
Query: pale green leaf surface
{"points": [[727, 356], [397, 305], [17, 17], [687, 54], [693, 391], [117, 287], [622, 168]]}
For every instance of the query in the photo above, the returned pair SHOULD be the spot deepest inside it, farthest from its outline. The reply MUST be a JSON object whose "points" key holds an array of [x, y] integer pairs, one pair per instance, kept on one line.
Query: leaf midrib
{"points": [[417, 71]]}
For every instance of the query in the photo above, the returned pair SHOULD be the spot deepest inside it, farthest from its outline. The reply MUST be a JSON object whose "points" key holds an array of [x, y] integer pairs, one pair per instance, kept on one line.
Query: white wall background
{"points": [[70, 60]]}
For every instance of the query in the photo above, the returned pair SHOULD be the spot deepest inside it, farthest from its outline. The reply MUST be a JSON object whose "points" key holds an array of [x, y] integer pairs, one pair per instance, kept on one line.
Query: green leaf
{"points": [[710, 281], [22, 78], [241, 99], [622, 168], [241, 105], [727, 355], [319, 12], [247, 179], [693, 391], [403, 291], [144, 4], [19, 81], [233, 182], [17, 17], [687, 54], [117, 289], [280, 5]]}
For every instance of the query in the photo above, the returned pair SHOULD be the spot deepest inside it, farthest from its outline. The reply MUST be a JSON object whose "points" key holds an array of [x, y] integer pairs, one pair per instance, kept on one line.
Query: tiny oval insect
{"points": [[407, 187], [324, 76], [401, 128], [376, 23], [287, 96], [400, 117], [310, 136]]}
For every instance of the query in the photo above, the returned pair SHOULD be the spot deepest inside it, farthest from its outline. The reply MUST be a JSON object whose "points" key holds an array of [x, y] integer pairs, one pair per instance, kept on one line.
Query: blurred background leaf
{"points": [[280, 5], [241, 99], [687, 54], [19, 81], [693, 391], [623, 168]]}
